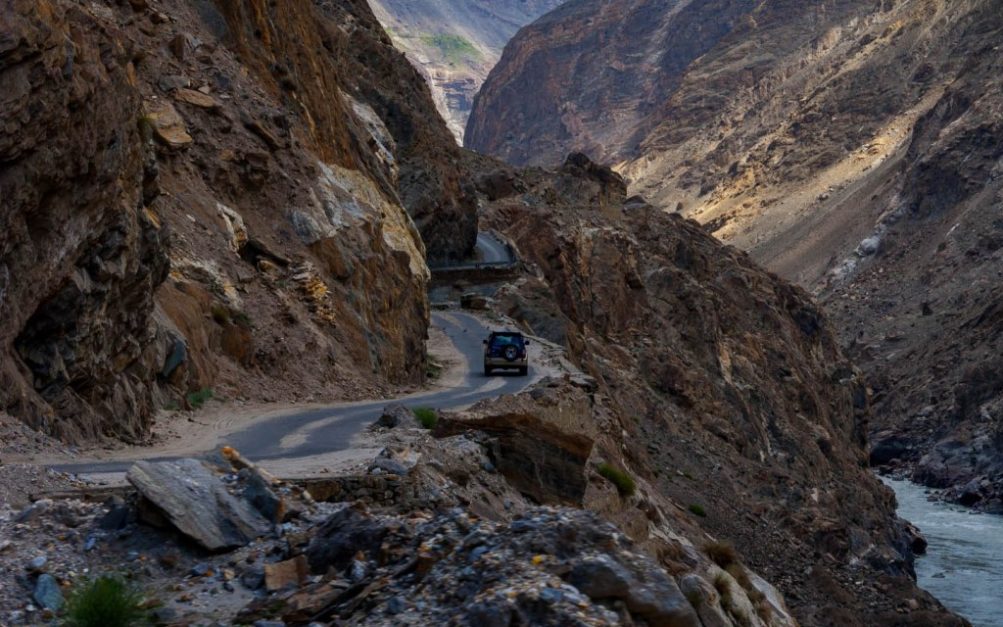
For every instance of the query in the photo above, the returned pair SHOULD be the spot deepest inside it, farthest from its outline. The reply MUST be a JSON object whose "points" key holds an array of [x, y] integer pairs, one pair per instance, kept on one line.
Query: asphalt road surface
{"points": [[491, 250], [316, 431]]}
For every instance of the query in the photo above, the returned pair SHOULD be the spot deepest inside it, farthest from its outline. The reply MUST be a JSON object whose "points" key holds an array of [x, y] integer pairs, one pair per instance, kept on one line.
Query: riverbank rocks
{"points": [[195, 501]]}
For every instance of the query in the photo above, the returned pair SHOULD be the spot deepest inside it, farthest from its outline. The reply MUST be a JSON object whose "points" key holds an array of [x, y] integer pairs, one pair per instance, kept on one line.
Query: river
{"points": [[963, 566]]}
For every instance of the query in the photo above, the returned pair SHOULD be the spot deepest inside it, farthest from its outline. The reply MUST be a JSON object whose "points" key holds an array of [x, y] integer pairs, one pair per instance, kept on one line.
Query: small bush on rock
{"points": [[624, 483], [426, 417], [220, 314], [242, 319], [721, 553], [433, 369], [698, 510], [105, 602]]}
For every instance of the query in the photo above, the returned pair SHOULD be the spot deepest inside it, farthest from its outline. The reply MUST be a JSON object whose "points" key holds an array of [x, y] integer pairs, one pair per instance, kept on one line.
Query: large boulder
{"points": [[196, 502], [397, 415], [649, 593]]}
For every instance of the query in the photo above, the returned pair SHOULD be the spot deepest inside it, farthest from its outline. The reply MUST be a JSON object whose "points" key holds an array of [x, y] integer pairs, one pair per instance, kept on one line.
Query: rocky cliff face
{"points": [[920, 308], [455, 44], [721, 388], [81, 256], [848, 146], [265, 155], [590, 75]]}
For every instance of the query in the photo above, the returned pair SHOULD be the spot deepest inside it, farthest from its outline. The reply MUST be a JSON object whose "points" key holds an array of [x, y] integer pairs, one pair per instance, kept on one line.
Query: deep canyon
{"points": [[753, 246]]}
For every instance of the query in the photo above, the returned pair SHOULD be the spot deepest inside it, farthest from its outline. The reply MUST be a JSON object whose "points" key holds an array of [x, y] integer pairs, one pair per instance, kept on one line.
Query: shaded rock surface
{"points": [[591, 76], [542, 448], [80, 257]]}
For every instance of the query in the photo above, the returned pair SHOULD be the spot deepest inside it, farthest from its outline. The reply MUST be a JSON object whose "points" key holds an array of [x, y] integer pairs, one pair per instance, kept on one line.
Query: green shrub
{"points": [[721, 553], [426, 416], [242, 319], [433, 369], [105, 602], [145, 125], [624, 483], [200, 398], [220, 314], [698, 510]]}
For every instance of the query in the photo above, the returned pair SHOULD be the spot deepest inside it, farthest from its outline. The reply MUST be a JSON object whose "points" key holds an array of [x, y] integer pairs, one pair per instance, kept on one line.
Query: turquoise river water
{"points": [[963, 566]]}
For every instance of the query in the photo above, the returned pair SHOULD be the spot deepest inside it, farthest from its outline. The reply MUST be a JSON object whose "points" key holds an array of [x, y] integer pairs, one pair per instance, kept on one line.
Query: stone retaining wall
{"points": [[370, 489]]}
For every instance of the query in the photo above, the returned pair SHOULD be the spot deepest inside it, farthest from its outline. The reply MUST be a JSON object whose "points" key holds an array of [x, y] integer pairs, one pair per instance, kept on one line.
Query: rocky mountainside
{"points": [[717, 455], [850, 146], [206, 198], [456, 43], [239, 198], [590, 76], [753, 426]]}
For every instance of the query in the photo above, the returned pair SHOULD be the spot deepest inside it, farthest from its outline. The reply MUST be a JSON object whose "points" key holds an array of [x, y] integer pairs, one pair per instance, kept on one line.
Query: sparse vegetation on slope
{"points": [[624, 483], [453, 48], [199, 398], [107, 601], [427, 417]]}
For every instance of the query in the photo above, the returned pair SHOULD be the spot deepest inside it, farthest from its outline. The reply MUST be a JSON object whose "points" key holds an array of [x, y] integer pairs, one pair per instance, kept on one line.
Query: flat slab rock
{"points": [[196, 502]]}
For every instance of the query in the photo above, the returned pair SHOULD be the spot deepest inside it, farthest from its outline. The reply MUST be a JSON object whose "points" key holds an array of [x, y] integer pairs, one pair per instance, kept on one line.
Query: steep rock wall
{"points": [[259, 137], [720, 385], [80, 257], [851, 147]]}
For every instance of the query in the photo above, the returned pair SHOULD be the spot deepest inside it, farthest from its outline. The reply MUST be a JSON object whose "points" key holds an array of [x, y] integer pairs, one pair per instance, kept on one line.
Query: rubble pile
{"points": [[196, 538], [221, 542], [548, 566]]}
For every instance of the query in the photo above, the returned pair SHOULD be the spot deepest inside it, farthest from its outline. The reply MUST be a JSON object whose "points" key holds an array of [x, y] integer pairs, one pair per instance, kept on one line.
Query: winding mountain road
{"points": [[491, 250], [317, 431]]}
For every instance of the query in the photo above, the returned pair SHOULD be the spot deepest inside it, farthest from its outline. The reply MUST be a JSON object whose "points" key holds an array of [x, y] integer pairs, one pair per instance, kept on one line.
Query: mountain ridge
{"points": [[455, 44]]}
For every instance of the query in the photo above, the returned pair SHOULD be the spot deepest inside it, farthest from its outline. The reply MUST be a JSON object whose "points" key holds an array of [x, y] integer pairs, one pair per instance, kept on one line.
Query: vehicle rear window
{"points": [[498, 341]]}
